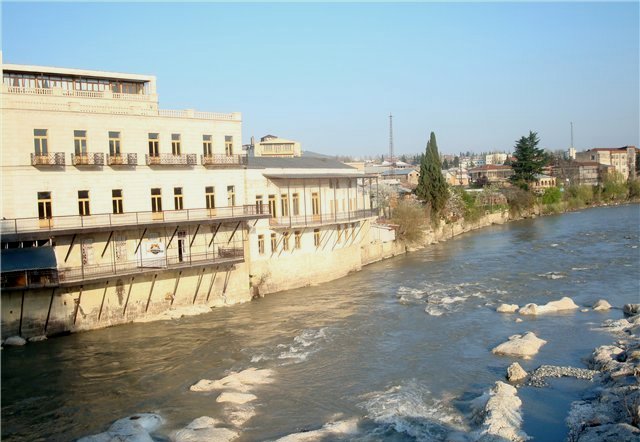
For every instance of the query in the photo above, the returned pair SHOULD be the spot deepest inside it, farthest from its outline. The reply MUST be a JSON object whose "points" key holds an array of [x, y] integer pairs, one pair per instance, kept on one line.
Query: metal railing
{"points": [[223, 160], [87, 272], [89, 159], [61, 223], [320, 219], [126, 159], [49, 159], [166, 159]]}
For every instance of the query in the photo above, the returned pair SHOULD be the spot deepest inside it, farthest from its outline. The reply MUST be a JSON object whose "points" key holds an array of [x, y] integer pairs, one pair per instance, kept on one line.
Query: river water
{"points": [[400, 346]]}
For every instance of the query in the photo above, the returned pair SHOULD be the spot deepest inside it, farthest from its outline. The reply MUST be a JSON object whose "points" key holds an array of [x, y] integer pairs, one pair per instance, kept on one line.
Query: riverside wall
{"points": [[171, 294]]}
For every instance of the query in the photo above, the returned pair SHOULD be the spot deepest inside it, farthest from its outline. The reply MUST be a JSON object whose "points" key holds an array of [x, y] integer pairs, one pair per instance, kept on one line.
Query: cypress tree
{"points": [[432, 187]]}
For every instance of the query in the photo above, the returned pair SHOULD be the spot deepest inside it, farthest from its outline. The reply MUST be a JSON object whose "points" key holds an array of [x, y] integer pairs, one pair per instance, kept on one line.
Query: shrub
{"points": [[580, 194], [552, 195], [519, 200], [614, 187], [634, 188], [411, 219]]}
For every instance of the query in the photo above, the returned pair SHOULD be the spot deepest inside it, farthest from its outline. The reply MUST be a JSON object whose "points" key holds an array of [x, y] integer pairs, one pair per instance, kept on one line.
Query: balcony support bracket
{"points": [[193, 238], [175, 287], [73, 241], [172, 236], [150, 292], [138, 246], [77, 307], [234, 232], [213, 279], [107, 244], [124, 309], [214, 234]]}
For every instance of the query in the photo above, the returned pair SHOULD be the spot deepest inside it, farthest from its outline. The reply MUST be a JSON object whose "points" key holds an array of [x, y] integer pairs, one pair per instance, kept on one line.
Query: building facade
{"points": [[623, 159], [491, 173], [114, 209]]}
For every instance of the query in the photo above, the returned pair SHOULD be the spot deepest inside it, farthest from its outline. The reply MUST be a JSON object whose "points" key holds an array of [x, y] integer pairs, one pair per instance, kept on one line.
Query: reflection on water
{"points": [[396, 346]]}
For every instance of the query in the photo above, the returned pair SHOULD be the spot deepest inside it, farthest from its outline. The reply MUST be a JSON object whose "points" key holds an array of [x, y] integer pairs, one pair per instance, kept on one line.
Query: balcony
{"points": [[166, 159], [50, 159], [322, 219], [223, 160], [106, 221], [89, 159], [217, 255], [127, 159]]}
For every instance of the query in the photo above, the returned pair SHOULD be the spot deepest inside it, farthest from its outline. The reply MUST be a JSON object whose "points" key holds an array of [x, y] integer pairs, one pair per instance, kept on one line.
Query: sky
{"points": [[479, 75]]}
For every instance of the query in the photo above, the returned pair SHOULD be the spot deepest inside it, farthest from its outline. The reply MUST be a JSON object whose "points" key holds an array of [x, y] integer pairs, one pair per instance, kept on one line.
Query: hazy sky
{"points": [[479, 75]]}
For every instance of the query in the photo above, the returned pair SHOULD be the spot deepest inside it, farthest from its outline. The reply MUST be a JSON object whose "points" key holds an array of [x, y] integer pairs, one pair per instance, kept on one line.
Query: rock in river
{"points": [[507, 308], [601, 305], [524, 346], [515, 372], [550, 307]]}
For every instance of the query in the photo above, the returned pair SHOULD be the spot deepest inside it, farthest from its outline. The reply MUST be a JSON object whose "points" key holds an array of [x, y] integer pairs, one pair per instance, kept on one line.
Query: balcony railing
{"points": [[215, 256], [126, 159], [49, 159], [166, 159], [89, 159], [223, 160], [106, 220], [321, 219], [75, 93]]}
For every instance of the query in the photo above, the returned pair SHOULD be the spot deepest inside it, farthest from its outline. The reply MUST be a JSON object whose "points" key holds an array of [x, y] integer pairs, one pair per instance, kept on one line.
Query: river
{"points": [[401, 346]]}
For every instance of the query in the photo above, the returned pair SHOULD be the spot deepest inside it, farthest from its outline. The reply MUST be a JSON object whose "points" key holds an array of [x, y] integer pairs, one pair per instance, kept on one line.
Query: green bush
{"points": [[552, 195], [614, 187], [582, 195], [634, 188]]}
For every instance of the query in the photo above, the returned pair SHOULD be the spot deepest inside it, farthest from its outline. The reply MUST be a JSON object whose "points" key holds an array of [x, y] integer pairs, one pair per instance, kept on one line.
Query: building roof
{"points": [[275, 140], [489, 167], [30, 258], [317, 175], [303, 162], [76, 72], [610, 149], [398, 172]]}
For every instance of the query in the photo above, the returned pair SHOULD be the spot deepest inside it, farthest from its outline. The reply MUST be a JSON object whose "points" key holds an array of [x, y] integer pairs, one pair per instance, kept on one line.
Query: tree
{"points": [[530, 160], [456, 161], [403, 158], [445, 164], [432, 187]]}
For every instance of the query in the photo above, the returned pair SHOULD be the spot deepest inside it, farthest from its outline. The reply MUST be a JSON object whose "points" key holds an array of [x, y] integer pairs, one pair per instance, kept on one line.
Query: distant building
{"points": [[456, 177], [543, 182], [493, 173], [273, 146], [577, 173], [495, 158], [622, 158], [408, 176]]}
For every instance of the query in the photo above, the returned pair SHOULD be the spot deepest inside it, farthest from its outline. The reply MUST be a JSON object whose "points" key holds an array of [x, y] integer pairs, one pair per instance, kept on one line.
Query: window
{"points": [[272, 205], [228, 145], [116, 200], [40, 141], [44, 205], [316, 237], [274, 243], [210, 197], [315, 204], [285, 241], [80, 142], [284, 204], [175, 144], [231, 196], [114, 144], [156, 200], [259, 208], [261, 244], [297, 239], [177, 198], [207, 146], [295, 202], [83, 203], [154, 144]]}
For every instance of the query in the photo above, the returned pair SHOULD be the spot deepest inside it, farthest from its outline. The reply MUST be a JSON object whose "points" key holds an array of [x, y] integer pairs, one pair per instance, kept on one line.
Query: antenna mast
{"points": [[572, 134], [391, 156]]}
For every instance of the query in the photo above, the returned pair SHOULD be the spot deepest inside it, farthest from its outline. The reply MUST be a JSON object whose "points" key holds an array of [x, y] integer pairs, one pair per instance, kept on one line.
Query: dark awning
{"points": [[30, 258]]}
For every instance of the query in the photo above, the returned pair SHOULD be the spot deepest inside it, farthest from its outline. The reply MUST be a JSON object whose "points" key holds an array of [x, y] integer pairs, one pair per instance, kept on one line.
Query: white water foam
{"points": [[412, 410], [440, 298], [305, 344], [553, 275]]}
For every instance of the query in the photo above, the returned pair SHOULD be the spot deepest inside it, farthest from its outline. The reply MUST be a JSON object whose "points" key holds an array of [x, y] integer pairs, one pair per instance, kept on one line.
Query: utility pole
{"points": [[391, 156], [572, 134]]}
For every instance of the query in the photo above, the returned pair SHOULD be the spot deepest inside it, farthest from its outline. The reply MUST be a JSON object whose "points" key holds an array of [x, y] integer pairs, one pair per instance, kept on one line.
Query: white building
{"points": [[114, 209]]}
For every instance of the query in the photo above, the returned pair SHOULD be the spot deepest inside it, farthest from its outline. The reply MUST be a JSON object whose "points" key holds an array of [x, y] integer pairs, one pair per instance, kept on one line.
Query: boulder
{"points": [[518, 320], [525, 345], [507, 308], [601, 305], [564, 303], [203, 429], [241, 381], [134, 428], [330, 431], [499, 411], [515, 372], [631, 309], [38, 338], [236, 398], [619, 432], [15, 340]]}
